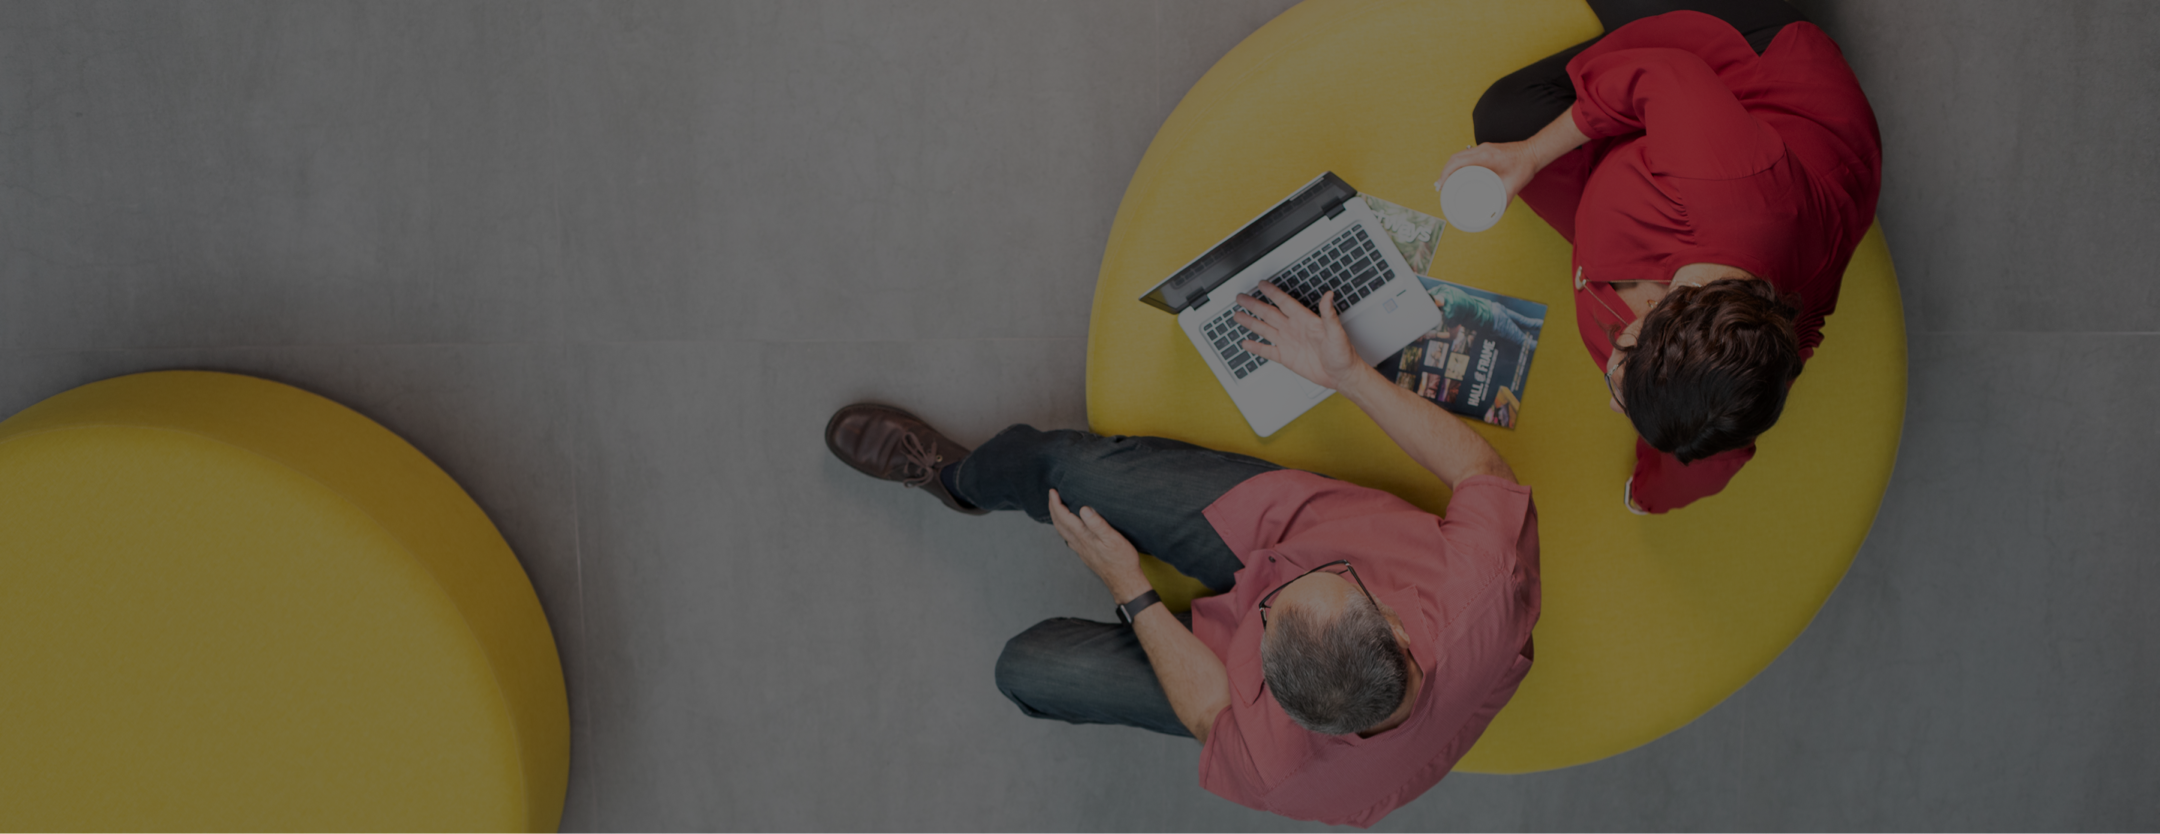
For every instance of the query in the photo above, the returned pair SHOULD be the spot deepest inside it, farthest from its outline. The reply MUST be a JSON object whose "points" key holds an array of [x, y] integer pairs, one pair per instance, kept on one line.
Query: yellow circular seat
{"points": [[228, 604], [1648, 621]]}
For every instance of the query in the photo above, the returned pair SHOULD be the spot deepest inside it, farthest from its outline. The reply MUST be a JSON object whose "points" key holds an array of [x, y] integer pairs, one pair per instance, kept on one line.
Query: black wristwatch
{"points": [[1132, 607]]}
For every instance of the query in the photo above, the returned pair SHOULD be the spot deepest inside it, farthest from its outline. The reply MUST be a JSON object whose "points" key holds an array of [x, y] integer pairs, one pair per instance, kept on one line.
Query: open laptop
{"points": [[1322, 237]]}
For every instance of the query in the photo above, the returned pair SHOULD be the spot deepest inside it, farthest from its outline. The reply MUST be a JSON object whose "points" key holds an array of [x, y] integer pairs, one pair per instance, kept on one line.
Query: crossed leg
{"points": [[1153, 491]]}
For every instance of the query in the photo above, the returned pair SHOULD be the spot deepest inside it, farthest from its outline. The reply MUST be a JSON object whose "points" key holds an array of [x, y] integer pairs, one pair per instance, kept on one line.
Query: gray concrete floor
{"points": [[612, 264]]}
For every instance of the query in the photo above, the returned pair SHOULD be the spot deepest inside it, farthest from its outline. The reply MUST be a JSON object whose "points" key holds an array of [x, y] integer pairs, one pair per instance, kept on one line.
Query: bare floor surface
{"points": [[612, 264]]}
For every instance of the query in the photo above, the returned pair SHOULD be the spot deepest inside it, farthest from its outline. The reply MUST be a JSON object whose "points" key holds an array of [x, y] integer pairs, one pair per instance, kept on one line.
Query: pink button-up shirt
{"points": [[1466, 588]]}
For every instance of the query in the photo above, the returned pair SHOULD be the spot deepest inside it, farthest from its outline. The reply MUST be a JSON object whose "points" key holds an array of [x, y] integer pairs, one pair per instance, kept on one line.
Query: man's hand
{"points": [[1101, 547], [1192, 677], [1314, 346]]}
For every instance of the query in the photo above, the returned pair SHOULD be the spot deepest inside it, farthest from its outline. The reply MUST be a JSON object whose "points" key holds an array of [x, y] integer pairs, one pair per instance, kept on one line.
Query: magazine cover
{"points": [[1478, 361]]}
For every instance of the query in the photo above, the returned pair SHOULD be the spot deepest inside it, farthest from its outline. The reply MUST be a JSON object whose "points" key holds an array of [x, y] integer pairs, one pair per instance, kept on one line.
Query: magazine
{"points": [[1478, 361], [1414, 232]]}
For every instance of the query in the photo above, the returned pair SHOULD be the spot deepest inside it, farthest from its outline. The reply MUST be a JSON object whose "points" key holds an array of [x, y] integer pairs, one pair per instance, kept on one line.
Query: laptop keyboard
{"points": [[1349, 264]]}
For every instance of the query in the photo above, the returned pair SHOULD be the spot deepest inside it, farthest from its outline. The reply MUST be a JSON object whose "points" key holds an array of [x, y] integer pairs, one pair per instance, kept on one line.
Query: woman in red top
{"points": [[1714, 172]]}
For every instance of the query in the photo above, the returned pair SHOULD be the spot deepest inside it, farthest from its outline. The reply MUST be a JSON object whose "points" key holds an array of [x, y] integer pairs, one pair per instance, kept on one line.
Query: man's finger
{"points": [[1061, 518], [1107, 538], [1261, 349], [1283, 301], [1265, 330]]}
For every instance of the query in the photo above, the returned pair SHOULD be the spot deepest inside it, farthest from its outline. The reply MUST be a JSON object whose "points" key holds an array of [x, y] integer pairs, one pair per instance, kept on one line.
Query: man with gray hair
{"points": [[1385, 638]]}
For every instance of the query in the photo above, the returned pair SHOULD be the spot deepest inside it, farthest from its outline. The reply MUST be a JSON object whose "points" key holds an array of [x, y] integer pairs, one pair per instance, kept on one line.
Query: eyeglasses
{"points": [[1618, 349], [1341, 563]]}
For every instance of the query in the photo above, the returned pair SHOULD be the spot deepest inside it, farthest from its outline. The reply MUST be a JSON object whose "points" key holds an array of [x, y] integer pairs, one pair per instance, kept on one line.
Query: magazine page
{"points": [[1478, 361], [1414, 232]]}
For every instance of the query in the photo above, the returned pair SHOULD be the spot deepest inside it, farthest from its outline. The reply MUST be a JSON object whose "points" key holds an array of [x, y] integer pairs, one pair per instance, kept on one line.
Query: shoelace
{"points": [[918, 457]]}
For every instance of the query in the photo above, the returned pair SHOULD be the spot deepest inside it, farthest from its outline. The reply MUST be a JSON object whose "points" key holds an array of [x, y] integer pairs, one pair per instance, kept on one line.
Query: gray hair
{"points": [[1334, 677]]}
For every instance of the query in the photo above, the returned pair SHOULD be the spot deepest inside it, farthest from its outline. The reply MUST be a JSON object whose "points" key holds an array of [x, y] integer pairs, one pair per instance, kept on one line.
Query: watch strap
{"points": [[1131, 609]]}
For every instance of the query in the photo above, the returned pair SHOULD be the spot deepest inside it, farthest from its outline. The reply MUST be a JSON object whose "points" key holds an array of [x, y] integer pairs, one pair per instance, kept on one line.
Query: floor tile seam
{"points": [[1160, 95], [761, 341], [1998, 332], [563, 355], [585, 643], [555, 183], [27, 351]]}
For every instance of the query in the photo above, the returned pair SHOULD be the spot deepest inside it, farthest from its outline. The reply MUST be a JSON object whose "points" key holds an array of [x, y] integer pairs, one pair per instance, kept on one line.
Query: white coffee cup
{"points": [[1473, 198]]}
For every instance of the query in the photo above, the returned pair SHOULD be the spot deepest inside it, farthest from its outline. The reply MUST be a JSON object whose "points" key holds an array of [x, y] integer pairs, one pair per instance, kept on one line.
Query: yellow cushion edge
{"points": [[1870, 296], [1113, 334], [1297, 24], [404, 492]]}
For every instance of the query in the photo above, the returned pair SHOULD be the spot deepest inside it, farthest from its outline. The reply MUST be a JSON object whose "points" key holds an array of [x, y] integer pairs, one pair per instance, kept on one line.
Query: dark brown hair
{"points": [[1710, 367]]}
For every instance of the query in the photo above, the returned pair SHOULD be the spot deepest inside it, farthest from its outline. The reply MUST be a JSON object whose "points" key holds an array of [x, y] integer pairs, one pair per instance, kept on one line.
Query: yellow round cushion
{"points": [[1648, 621], [228, 604]]}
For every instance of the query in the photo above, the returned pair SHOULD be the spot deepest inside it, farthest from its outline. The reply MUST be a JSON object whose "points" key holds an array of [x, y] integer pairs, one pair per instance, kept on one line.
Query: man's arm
{"points": [[1190, 673], [1316, 347], [1435, 438]]}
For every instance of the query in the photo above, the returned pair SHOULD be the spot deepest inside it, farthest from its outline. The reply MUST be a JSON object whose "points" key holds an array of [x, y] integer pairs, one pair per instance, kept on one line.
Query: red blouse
{"points": [[1701, 151]]}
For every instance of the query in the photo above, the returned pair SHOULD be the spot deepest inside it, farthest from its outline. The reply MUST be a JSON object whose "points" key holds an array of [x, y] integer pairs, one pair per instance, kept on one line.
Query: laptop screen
{"points": [[1322, 197]]}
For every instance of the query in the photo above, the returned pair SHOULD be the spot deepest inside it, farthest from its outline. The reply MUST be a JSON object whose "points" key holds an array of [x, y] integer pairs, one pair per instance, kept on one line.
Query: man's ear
{"points": [[1401, 634]]}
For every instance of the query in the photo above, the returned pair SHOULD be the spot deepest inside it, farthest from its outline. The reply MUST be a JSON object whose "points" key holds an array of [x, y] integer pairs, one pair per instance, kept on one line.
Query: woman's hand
{"points": [[1519, 162], [1515, 162], [1101, 547], [1314, 346]]}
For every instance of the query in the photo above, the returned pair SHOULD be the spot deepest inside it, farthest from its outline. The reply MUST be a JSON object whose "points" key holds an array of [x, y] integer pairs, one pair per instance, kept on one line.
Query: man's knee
{"points": [[1027, 665]]}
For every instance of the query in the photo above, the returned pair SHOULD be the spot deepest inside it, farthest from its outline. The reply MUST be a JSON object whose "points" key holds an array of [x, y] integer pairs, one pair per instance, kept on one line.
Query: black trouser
{"points": [[1518, 106]]}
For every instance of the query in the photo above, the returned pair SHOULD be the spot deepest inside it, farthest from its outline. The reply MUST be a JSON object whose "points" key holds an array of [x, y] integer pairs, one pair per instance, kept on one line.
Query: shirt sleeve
{"points": [[1226, 766], [1556, 193], [1692, 124], [1488, 512], [1663, 484]]}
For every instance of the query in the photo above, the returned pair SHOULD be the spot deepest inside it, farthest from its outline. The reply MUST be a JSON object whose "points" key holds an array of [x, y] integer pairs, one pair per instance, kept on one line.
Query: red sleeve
{"points": [[1692, 125], [1663, 484], [1556, 192]]}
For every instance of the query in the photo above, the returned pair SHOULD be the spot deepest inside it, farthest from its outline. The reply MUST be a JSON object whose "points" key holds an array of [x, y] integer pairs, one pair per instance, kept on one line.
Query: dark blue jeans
{"points": [[1153, 491]]}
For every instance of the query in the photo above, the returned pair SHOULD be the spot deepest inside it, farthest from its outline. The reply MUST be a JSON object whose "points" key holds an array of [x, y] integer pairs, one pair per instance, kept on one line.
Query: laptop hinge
{"points": [[1336, 209]]}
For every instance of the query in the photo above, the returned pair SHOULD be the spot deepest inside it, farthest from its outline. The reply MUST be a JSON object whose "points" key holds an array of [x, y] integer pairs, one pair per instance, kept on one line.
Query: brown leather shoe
{"points": [[889, 444]]}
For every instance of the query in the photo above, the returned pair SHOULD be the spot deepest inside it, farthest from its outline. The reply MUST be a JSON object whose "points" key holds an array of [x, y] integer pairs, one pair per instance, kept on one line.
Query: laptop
{"points": [[1322, 237]]}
